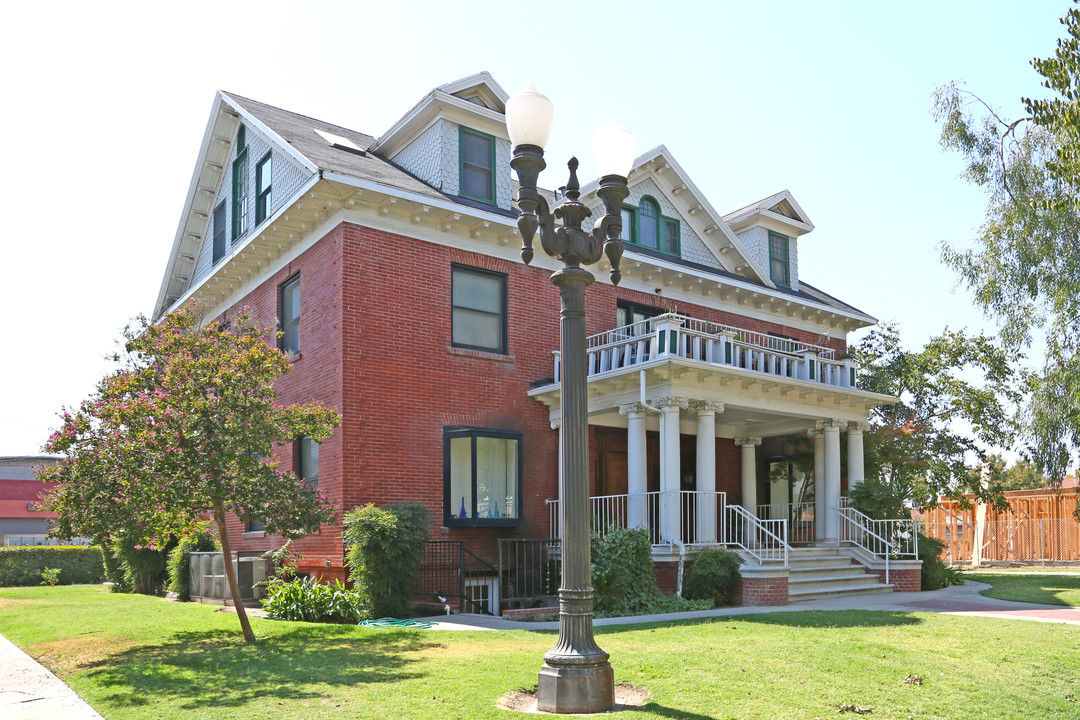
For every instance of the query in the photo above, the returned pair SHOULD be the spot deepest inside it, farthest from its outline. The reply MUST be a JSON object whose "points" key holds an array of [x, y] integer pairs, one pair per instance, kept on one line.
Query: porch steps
{"points": [[821, 572]]}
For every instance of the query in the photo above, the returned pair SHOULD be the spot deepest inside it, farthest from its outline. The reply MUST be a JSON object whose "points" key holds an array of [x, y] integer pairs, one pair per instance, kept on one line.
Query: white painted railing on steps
{"points": [[678, 336], [765, 540], [800, 518], [885, 539], [686, 516]]}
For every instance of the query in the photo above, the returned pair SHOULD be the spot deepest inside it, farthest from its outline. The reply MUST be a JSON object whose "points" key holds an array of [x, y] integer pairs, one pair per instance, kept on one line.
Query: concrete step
{"points": [[819, 594], [825, 582], [815, 562], [831, 570]]}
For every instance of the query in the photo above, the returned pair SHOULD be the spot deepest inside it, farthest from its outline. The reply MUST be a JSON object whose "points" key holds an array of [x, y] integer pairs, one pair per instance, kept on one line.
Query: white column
{"points": [[832, 478], [637, 476], [855, 470], [749, 472], [670, 478], [705, 519], [821, 507]]}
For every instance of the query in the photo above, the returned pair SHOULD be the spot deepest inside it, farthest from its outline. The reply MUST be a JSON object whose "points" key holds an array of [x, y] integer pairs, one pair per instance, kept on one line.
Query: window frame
{"points": [[504, 349], [462, 131], [454, 431], [240, 196], [263, 197], [786, 282], [633, 236], [282, 288]]}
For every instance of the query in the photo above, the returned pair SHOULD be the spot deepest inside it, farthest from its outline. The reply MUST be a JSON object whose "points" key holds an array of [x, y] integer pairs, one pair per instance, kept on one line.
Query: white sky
{"points": [[106, 104]]}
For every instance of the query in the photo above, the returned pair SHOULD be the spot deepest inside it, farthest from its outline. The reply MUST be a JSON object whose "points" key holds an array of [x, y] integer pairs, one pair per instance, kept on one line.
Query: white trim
{"points": [[284, 146], [435, 104], [440, 203]]}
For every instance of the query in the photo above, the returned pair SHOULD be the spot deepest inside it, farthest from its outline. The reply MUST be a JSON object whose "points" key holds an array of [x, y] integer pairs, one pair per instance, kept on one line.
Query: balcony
{"points": [[678, 337]]}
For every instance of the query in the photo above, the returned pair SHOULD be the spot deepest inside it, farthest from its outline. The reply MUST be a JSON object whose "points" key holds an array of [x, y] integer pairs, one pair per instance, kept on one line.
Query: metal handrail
{"points": [[860, 528], [758, 528]]}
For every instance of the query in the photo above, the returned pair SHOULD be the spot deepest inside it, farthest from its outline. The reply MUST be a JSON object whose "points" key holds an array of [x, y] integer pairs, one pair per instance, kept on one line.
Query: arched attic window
{"points": [[644, 225]]}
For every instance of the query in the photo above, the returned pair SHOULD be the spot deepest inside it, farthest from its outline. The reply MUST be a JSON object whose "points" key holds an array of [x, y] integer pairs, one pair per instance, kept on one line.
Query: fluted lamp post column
{"points": [[576, 676]]}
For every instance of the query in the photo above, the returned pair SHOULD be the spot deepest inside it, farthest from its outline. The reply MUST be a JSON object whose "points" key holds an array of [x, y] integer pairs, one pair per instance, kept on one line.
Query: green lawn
{"points": [[142, 657], [1041, 588]]}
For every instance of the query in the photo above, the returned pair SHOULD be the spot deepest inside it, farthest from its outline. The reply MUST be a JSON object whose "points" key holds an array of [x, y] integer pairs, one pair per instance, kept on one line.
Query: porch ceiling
{"points": [[754, 404]]}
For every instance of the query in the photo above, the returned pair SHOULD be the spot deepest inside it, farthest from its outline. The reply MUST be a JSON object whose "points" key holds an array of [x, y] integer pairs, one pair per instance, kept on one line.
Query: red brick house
{"points": [[392, 266]]}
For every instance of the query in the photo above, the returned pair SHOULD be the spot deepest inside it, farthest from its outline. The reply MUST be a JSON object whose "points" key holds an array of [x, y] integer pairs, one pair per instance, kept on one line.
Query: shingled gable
{"points": [[779, 212]]}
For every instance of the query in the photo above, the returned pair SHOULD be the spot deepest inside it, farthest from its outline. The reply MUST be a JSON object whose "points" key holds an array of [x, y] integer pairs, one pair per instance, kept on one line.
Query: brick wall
{"points": [[758, 591], [907, 580], [375, 336]]}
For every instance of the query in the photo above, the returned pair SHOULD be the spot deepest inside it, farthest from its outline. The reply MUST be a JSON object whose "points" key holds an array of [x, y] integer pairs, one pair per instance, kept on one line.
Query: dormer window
{"points": [[779, 259], [645, 226], [477, 165], [240, 186]]}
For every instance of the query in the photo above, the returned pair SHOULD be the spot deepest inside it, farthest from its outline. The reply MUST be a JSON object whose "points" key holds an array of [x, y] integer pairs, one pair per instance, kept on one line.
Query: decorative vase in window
{"points": [[462, 514]]}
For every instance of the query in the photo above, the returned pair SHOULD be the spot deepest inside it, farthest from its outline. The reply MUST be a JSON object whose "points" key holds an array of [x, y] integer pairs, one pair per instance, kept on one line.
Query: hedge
{"points": [[24, 565]]}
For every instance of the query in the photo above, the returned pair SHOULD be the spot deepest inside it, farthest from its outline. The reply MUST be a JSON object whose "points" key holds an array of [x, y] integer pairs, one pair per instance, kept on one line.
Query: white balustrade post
{"points": [[821, 508], [637, 476], [727, 348], [855, 467], [705, 520], [668, 328], [670, 480], [749, 472], [832, 478], [809, 366]]}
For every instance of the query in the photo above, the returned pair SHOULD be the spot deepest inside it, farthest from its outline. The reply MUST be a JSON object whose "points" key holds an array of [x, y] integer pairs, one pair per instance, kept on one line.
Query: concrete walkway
{"points": [[30, 692]]}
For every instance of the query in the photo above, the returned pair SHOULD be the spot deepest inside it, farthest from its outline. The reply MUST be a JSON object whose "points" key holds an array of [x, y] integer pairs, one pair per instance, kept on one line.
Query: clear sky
{"points": [[106, 103]]}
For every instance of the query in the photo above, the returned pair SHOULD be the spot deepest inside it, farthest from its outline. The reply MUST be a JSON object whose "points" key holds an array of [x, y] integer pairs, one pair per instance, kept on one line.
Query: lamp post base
{"points": [[576, 689]]}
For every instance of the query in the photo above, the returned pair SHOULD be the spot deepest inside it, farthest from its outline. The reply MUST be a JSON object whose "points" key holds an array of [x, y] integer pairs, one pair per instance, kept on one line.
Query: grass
{"points": [[1041, 588], [142, 657]]}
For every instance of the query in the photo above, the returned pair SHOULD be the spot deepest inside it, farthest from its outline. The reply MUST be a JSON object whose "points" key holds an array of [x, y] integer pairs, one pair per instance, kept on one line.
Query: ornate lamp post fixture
{"points": [[576, 676]]}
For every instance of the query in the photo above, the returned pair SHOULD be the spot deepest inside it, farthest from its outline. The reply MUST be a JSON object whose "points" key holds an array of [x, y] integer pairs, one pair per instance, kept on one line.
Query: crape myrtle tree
{"points": [[183, 429], [1024, 266]]}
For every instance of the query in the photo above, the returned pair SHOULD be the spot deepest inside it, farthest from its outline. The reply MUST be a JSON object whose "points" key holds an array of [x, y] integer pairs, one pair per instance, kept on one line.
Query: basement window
{"points": [[481, 477]]}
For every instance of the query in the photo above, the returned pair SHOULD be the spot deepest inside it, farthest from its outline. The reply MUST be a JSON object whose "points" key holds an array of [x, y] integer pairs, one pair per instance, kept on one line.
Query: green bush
{"points": [[935, 573], [307, 600], [384, 548], [878, 500], [178, 564], [712, 576], [50, 577], [623, 580], [143, 569], [25, 565]]}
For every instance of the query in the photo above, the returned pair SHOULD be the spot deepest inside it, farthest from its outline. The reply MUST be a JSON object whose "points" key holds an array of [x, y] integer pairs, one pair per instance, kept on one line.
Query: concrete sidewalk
{"points": [[30, 692], [956, 600]]}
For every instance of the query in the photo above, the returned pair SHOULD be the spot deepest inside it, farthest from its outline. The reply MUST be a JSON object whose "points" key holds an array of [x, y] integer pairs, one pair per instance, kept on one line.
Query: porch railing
{"points": [[885, 539], [687, 516], [765, 540], [678, 336], [799, 516]]}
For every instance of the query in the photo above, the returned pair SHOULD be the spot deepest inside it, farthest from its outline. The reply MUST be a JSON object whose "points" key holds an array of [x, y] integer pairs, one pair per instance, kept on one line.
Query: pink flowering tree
{"points": [[184, 429]]}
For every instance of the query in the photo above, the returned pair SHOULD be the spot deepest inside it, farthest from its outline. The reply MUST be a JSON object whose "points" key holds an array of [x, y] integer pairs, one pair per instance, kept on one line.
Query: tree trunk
{"points": [[230, 572]]}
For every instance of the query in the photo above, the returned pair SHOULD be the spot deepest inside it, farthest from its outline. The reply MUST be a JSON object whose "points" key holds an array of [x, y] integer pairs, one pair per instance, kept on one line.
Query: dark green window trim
{"points": [[779, 259], [632, 234], [489, 169], [480, 512], [219, 232], [461, 306], [264, 176], [240, 195]]}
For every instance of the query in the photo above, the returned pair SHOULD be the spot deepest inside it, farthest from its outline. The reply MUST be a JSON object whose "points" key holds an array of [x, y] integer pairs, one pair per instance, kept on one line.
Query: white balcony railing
{"points": [[677, 336], [689, 517]]}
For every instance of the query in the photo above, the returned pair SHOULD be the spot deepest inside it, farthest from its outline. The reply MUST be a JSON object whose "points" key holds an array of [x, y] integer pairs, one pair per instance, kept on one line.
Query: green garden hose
{"points": [[389, 622]]}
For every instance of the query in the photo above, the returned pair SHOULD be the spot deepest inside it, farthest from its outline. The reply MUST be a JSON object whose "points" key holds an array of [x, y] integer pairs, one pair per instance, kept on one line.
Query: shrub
{"points": [[307, 600], [178, 564], [50, 577], [935, 573], [25, 565], [623, 580], [142, 568], [878, 500], [384, 547], [712, 576]]}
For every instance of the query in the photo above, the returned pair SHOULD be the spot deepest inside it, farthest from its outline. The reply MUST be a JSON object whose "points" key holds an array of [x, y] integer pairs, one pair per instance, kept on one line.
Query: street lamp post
{"points": [[576, 676]]}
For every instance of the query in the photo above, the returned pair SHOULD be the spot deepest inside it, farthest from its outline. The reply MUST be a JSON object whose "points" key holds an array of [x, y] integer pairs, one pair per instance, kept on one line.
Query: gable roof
{"points": [[780, 208]]}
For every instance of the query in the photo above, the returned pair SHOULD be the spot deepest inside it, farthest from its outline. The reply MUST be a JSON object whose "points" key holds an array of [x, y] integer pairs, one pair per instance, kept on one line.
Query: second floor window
{"points": [[779, 261], [478, 302], [263, 192], [307, 460], [644, 225], [477, 151], [289, 312]]}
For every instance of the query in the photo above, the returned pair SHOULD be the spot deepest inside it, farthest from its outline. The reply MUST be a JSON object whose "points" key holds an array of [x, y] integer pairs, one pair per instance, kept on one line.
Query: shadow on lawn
{"points": [[217, 668], [804, 618]]}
